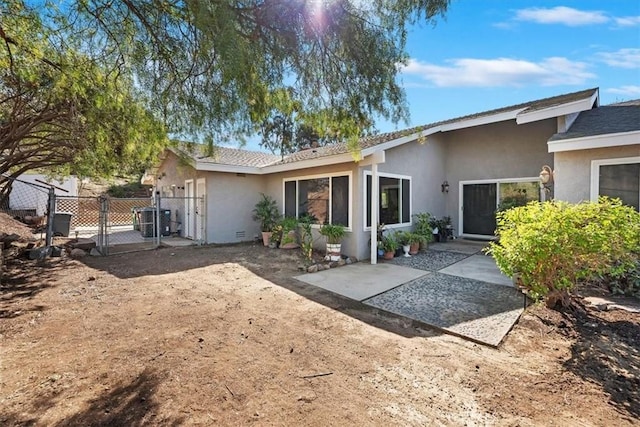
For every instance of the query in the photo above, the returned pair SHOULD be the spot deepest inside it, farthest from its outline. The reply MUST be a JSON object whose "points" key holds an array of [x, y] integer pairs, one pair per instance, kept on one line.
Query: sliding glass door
{"points": [[481, 201]]}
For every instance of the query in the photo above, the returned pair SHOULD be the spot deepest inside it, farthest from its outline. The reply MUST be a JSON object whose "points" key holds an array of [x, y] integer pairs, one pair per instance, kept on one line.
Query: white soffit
{"points": [[596, 141], [558, 110]]}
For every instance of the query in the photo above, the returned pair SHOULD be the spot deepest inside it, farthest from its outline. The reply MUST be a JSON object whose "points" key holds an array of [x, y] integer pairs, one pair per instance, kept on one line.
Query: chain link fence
{"points": [[27, 203], [119, 225], [114, 225]]}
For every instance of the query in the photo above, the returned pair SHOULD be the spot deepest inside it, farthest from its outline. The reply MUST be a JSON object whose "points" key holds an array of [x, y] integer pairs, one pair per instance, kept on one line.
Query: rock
{"points": [[312, 268], [95, 252], [9, 238], [341, 262], [348, 261], [56, 251], [38, 253], [333, 264], [77, 253]]}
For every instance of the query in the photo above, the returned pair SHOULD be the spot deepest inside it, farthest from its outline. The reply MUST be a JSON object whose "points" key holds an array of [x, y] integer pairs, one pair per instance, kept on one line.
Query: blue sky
{"points": [[488, 54], [491, 53]]}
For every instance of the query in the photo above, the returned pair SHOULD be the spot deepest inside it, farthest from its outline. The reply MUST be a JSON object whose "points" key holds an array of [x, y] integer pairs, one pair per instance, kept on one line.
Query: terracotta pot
{"points": [[266, 236], [415, 247], [388, 255]]}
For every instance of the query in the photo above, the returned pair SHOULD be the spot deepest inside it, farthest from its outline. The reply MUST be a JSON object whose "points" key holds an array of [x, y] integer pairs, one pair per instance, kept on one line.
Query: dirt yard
{"points": [[226, 336]]}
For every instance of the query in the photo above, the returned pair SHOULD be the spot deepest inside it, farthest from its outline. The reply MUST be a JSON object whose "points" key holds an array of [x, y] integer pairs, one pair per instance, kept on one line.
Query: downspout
{"points": [[376, 158]]}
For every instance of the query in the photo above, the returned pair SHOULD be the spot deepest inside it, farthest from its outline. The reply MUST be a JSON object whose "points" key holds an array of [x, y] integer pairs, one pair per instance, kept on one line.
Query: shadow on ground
{"points": [[606, 351], [22, 280], [132, 404]]}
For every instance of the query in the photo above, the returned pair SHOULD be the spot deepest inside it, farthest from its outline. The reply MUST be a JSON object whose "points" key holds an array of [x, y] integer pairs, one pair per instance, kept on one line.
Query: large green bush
{"points": [[550, 247]]}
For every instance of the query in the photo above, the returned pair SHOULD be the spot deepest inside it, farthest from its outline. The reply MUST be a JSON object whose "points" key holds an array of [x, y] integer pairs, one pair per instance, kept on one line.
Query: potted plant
{"points": [[334, 234], [266, 213], [423, 228], [389, 246], [415, 240], [288, 239], [441, 228], [402, 237]]}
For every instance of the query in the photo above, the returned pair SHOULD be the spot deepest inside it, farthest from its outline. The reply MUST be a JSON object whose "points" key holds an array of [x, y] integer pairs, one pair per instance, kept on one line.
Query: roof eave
{"points": [[400, 141], [218, 167], [565, 108], [309, 163], [595, 141]]}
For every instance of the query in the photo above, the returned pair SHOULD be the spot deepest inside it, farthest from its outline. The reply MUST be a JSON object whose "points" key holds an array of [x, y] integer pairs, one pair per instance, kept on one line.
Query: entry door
{"points": [[189, 211], [200, 207], [479, 205]]}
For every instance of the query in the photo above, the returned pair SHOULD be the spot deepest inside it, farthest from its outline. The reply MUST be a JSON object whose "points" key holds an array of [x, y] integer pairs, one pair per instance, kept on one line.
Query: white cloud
{"points": [[469, 72], [628, 21], [561, 15], [623, 58], [627, 91]]}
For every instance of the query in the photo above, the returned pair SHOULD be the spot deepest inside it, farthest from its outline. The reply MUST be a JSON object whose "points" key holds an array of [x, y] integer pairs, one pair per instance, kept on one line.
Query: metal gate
{"points": [[120, 225]]}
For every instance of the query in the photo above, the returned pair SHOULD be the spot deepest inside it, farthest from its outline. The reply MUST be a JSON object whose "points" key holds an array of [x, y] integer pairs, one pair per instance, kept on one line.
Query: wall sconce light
{"points": [[445, 187], [546, 175]]}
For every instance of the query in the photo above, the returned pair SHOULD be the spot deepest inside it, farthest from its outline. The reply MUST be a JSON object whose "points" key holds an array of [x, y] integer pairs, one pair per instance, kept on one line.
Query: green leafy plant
{"points": [[266, 213], [333, 232], [402, 237], [288, 224], [550, 247], [389, 243], [306, 236], [416, 238], [423, 225]]}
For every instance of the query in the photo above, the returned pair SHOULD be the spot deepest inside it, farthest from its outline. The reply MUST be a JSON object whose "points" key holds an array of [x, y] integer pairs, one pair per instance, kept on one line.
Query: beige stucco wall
{"points": [[275, 188], [495, 151], [230, 199], [423, 162], [573, 170]]}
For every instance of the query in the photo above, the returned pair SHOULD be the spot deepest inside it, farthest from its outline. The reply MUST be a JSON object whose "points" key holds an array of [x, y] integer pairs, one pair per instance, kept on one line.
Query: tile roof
{"points": [[374, 140], [608, 119], [239, 157], [231, 156]]}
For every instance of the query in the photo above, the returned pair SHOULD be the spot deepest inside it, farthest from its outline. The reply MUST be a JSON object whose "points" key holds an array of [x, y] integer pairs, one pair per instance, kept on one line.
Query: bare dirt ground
{"points": [[226, 336]]}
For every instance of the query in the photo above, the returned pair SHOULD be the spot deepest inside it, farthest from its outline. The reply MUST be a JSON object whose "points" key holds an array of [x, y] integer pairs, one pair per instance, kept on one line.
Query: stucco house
{"points": [[464, 168]]}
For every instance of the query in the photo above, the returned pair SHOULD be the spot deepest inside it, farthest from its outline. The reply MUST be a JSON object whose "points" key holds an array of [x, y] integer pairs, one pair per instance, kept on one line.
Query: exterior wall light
{"points": [[546, 179], [546, 175], [445, 187]]}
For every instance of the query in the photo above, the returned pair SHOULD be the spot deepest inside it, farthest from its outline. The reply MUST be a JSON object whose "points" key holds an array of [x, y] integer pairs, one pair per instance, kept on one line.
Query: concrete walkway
{"points": [[452, 287]]}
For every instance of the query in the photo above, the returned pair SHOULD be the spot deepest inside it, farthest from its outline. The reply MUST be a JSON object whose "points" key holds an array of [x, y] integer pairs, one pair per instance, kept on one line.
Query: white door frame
{"points": [[201, 209], [189, 217]]}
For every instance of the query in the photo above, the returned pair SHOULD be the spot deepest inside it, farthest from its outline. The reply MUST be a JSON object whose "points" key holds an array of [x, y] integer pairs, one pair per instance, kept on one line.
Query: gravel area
{"points": [[430, 260], [481, 311]]}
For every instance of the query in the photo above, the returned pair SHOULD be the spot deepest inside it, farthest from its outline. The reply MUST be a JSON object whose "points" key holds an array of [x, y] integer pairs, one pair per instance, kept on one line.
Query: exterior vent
{"points": [[242, 175], [239, 234]]}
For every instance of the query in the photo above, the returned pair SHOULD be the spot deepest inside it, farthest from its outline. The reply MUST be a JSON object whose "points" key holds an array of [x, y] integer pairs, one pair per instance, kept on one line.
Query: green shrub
{"points": [[552, 246]]}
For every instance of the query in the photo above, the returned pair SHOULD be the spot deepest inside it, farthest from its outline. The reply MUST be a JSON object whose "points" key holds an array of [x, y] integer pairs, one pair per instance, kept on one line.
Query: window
{"points": [[326, 198], [617, 178], [394, 197]]}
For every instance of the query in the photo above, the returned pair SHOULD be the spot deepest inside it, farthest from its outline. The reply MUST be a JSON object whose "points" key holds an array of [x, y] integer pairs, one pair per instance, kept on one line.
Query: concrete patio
{"points": [[452, 286]]}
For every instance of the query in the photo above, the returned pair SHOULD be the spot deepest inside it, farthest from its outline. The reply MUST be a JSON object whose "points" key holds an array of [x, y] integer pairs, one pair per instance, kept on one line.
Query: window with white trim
{"points": [[326, 198], [618, 178], [394, 198]]}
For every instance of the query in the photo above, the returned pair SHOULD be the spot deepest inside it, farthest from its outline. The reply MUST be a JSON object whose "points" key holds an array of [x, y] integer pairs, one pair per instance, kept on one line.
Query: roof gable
{"points": [[239, 160], [608, 119]]}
